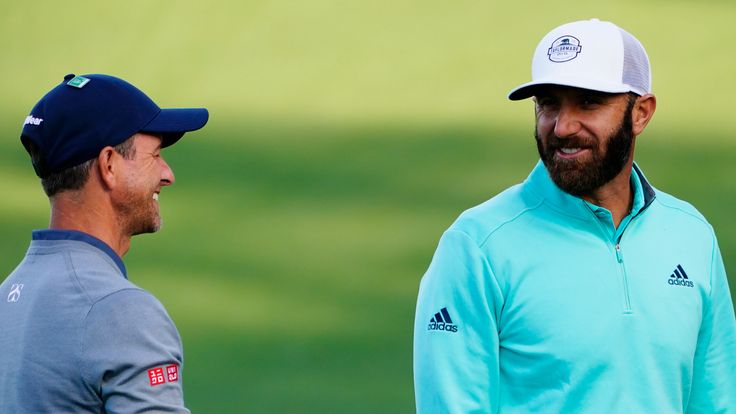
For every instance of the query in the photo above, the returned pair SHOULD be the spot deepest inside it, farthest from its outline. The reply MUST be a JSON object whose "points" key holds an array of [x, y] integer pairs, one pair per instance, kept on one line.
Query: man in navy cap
{"points": [[77, 336]]}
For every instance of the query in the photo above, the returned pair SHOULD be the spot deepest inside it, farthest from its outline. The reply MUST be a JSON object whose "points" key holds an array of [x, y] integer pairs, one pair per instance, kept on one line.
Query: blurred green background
{"points": [[344, 138]]}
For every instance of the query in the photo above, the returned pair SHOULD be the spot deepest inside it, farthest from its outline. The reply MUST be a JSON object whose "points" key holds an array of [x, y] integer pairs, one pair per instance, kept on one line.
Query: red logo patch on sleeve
{"points": [[172, 372], [156, 376]]}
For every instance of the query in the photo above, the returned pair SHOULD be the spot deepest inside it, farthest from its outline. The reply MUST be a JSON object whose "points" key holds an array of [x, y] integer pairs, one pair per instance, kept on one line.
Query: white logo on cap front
{"points": [[564, 49]]}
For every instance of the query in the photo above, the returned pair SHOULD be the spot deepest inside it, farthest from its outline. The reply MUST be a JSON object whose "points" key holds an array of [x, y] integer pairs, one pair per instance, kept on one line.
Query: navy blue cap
{"points": [[83, 114]]}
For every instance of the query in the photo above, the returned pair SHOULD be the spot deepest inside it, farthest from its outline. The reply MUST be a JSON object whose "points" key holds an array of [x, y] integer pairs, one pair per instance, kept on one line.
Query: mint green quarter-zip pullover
{"points": [[535, 303]]}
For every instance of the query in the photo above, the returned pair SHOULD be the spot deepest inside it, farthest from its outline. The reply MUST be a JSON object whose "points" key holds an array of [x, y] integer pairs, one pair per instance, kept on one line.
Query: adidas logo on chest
{"points": [[679, 278]]}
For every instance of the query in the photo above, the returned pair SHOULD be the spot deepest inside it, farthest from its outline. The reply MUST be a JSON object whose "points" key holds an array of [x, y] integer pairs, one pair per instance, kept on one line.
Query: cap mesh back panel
{"points": [[636, 64]]}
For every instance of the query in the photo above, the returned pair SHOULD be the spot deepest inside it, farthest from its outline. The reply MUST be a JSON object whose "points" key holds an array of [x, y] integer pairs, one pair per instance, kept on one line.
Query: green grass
{"points": [[344, 138], [290, 261]]}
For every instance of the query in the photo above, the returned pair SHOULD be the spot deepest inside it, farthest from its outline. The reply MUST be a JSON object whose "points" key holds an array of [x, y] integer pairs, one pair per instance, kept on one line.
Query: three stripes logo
{"points": [[679, 278], [441, 321]]}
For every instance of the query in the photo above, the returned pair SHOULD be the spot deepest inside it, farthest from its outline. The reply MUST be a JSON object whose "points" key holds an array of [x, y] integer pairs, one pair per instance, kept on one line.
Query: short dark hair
{"points": [[73, 178], [631, 100]]}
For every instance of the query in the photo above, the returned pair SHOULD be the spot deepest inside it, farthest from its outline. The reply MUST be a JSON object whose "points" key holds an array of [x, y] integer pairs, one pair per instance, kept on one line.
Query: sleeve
{"points": [[456, 344], [714, 369], [132, 355]]}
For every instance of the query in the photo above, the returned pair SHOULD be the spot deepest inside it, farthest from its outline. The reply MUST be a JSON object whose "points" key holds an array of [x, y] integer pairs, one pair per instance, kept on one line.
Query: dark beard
{"points": [[582, 178]]}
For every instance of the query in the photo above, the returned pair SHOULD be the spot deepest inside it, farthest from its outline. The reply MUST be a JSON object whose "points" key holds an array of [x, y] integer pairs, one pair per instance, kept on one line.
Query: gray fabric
{"points": [[80, 338]]}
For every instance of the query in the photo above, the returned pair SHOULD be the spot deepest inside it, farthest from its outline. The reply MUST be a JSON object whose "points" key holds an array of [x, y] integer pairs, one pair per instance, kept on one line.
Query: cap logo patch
{"points": [[564, 49], [31, 120], [78, 82]]}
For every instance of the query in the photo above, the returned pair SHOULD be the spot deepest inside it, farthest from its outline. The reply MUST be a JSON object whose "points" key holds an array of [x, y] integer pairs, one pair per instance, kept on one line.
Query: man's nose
{"points": [[167, 175], [567, 122]]}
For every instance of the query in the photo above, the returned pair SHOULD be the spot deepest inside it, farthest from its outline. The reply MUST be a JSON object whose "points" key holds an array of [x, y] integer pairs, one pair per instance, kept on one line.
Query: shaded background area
{"points": [[344, 138]]}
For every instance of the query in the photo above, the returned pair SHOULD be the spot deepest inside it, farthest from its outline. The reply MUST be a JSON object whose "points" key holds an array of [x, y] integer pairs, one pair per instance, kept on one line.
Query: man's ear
{"points": [[108, 167], [642, 112]]}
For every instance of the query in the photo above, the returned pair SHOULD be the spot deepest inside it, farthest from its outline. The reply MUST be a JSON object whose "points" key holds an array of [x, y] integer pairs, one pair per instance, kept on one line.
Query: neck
{"points": [[615, 196], [72, 211]]}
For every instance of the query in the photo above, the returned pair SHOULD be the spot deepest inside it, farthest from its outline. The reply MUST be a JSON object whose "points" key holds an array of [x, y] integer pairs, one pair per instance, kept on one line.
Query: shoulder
{"points": [[669, 216], [680, 210], [95, 273], [481, 221], [129, 325], [132, 353], [128, 309]]}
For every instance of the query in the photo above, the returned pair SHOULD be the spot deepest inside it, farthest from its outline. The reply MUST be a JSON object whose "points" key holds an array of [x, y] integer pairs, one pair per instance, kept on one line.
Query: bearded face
{"points": [[583, 175], [139, 211], [143, 174]]}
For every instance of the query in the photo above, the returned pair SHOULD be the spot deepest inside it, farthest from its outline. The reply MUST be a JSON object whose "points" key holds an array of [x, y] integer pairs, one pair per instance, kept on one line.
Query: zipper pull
{"points": [[619, 257]]}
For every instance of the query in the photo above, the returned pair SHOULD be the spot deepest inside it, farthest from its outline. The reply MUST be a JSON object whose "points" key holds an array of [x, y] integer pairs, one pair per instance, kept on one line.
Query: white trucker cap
{"points": [[589, 54]]}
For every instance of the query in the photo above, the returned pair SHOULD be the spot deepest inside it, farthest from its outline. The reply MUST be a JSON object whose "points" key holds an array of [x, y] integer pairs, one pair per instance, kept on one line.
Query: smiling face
{"points": [[146, 173], [585, 138]]}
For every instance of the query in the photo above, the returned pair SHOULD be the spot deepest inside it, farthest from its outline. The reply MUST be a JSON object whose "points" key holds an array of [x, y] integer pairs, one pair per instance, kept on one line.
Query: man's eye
{"points": [[592, 100], [545, 102]]}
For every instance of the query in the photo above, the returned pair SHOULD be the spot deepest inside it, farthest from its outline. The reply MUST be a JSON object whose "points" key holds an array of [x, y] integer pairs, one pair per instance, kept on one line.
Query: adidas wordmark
{"points": [[441, 321]]}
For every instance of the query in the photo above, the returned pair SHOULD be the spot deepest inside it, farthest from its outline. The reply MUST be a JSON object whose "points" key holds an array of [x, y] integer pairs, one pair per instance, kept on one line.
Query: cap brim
{"points": [[529, 89], [171, 124]]}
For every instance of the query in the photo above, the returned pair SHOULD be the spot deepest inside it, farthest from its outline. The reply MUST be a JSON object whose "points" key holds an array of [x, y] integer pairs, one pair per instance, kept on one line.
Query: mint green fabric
{"points": [[556, 311]]}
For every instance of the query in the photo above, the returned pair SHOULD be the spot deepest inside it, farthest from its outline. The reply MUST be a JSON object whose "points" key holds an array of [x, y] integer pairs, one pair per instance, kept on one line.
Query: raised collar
{"points": [[540, 184], [48, 234]]}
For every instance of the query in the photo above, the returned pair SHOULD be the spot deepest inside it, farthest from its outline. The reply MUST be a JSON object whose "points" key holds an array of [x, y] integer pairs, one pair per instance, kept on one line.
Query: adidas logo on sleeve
{"points": [[679, 278], [441, 321]]}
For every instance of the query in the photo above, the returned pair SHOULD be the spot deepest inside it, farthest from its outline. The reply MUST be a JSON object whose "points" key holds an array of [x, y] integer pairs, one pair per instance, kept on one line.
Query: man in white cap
{"points": [[583, 289]]}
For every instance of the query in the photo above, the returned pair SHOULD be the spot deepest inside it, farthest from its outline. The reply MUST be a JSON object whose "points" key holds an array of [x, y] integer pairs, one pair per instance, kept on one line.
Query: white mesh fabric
{"points": [[636, 72]]}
